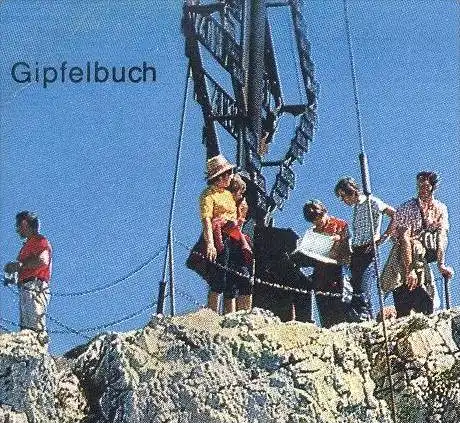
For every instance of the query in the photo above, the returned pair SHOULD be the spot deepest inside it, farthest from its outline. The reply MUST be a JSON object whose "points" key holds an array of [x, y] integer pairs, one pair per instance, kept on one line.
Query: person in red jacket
{"points": [[329, 278], [33, 267]]}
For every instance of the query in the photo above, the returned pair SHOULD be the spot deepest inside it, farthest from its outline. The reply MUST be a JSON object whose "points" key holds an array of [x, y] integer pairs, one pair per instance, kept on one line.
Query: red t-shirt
{"points": [[34, 246], [328, 277], [334, 226]]}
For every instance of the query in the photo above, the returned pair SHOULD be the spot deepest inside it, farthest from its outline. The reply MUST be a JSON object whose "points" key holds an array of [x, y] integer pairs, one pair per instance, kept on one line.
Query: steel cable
{"points": [[262, 282], [81, 331], [188, 297], [111, 284], [168, 257], [107, 325]]}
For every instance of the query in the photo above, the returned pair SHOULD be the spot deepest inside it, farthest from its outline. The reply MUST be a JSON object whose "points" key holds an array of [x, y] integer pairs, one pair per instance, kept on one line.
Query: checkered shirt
{"points": [[361, 225]]}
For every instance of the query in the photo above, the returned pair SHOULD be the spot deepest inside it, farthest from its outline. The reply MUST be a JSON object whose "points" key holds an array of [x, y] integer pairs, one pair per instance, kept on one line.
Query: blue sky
{"points": [[96, 160]]}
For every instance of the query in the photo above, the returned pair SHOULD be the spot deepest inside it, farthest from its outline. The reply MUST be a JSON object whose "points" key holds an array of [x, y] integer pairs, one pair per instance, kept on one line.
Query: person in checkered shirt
{"points": [[362, 264], [407, 272]]}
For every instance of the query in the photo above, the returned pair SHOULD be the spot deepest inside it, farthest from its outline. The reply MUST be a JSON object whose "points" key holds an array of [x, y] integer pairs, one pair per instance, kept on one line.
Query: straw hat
{"points": [[217, 165]]}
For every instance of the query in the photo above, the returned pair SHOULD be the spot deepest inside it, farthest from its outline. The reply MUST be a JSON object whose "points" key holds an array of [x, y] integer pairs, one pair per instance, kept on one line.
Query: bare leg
{"points": [[229, 305], [214, 301], [244, 302]]}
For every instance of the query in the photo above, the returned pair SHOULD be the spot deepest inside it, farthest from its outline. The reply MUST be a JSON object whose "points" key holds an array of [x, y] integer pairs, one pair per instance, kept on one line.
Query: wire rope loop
{"points": [[118, 321], [111, 284], [81, 331]]}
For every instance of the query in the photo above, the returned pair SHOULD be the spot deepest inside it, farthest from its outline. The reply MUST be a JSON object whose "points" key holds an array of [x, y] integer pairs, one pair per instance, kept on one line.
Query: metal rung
{"points": [[295, 152], [278, 200], [288, 175], [301, 140], [281, 187], [220, 43]]}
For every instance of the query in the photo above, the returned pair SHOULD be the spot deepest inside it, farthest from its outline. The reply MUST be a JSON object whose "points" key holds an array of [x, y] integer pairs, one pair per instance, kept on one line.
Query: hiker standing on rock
{"points": [[329, 277], [363, 271], [420, 234], [225, 250], [33, 268]]}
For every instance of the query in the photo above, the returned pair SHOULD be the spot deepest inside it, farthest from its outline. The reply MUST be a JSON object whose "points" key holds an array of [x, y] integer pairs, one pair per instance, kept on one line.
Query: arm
{"points": [[407, 259], [35, 260], [343, 245], [30, 262], [445, 271], [242, 211], [211, 252], [206, 213], [390, 213], [341, 248]]}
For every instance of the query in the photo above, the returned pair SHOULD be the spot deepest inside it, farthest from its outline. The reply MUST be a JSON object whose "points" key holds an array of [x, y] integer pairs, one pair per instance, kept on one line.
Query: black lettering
{"points": [[130, 74], [63, 68], [26, 73], [146, 68], [88, 72], [114, 74], [46, 80], [76, 74], [97, 69]]}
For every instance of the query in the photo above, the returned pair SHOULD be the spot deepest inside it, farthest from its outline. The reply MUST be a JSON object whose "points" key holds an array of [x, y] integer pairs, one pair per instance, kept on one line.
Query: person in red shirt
{"points": [[329, 278], [33, 267]]}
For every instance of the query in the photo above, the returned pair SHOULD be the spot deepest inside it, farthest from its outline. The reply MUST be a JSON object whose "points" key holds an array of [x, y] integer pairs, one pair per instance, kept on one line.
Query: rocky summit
{"points": [[239, 368]]}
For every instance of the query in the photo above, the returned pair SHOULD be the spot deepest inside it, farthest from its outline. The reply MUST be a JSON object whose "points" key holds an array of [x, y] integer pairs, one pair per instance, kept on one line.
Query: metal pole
{"points": [[446, 292], [313, 306], [256, 65], [162, 287], [365, 177], [171, 274]]}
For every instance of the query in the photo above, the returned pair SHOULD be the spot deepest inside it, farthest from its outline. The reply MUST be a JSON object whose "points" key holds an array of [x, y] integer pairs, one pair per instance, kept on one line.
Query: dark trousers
{"points": [[417, 300], [363, 275], [332, 310], [328, 279], [302, 304], [236, 280]]}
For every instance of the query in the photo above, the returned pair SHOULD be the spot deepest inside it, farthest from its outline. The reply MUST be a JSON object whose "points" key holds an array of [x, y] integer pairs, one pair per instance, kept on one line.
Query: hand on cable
{"points": [[12, 266], [446, 271], [412, 280], [380, 240], [211, 252], [369, 248]]}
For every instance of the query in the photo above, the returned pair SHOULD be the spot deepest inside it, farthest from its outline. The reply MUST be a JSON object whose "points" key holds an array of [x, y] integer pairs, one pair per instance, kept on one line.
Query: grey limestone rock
{"points": [[241, 368]]}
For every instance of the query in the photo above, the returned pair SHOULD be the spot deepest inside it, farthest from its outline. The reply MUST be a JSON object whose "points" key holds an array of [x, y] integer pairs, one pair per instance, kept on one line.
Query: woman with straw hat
{"points": [[221, 242]]}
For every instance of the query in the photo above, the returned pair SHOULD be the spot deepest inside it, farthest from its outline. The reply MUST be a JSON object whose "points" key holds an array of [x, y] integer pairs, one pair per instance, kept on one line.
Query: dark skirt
{"points": [[229, 274]]}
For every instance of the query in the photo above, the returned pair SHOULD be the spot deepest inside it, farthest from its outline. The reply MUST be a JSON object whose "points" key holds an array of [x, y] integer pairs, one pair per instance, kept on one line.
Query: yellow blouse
{"points": [[217, 202]]}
